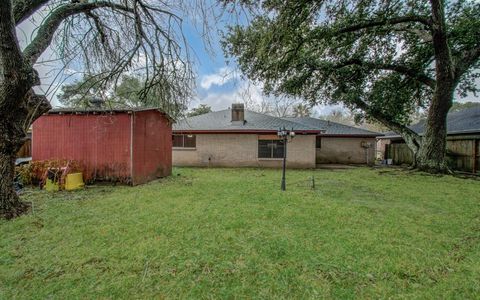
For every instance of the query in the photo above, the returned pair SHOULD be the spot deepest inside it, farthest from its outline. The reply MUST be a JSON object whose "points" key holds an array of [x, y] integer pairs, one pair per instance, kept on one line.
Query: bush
{"points": [[34, 172]]}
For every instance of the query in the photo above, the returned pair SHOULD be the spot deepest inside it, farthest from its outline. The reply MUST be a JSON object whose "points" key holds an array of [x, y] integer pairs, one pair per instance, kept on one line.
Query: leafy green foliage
{"points": [[130, 91], [80, 93], [302, 110], [200, 110], [457, 106], [376, 57], [231, 233], [33, 172]]}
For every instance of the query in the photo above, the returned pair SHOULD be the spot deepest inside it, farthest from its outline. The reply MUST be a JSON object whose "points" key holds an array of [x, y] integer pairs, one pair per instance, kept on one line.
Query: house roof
{"points": [[332, 128], [220, 121], [465, 121]]}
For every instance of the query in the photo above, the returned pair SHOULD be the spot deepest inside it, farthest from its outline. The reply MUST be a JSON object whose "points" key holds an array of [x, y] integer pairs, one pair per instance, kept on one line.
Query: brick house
{"points": [[341, 144], [241, 138]]}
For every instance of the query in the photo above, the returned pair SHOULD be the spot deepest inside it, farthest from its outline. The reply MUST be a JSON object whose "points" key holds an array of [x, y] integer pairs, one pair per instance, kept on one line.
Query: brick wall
{"points": [[241, 150], [348, 150]]}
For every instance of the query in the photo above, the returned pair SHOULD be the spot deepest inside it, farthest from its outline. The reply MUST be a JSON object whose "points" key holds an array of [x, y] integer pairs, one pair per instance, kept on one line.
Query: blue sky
{"points": [[219, 83]]}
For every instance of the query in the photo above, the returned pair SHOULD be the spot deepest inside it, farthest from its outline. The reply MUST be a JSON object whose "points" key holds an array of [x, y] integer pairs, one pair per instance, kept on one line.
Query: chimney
{"points": [[238, 112], [96, 102]]}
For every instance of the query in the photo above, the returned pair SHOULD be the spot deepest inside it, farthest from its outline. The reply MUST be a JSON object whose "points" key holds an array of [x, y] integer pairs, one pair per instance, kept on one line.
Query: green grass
{"points": [[230, 233]]}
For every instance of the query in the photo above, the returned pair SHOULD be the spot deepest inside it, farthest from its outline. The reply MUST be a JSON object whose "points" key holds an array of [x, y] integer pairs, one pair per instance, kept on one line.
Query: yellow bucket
{"points": [[51, 185], [74, 181]]}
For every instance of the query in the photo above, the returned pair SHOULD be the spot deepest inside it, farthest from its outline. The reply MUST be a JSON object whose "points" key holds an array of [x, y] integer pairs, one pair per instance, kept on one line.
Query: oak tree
{"points": [[386, 59]]}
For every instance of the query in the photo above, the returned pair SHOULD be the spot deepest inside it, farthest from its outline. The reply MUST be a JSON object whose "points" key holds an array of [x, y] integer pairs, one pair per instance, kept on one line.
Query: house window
{"points": [[270, 149], [318, 142], [184, 141]]}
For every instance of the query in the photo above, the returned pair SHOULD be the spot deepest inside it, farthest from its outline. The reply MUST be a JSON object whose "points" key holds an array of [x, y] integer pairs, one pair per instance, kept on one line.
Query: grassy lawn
{"points": [[230, 233]]}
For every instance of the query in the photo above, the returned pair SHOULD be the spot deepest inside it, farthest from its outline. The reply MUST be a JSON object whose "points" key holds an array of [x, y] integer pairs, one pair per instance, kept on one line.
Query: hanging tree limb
{"points": [[23, 9], [402, 69], [47, 30], [387, 21], [466, 60]]}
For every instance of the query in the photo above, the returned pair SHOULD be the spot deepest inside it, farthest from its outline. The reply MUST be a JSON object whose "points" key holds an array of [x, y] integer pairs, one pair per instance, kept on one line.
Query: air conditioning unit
{"points": [[366, 144]]}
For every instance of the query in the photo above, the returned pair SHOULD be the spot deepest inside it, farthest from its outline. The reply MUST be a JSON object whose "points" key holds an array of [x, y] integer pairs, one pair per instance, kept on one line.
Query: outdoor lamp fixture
{"points": [[285, 136]]}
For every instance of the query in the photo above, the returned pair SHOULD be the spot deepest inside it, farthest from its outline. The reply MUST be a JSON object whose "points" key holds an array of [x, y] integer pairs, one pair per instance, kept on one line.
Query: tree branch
{"points": [[412, 139], [23, 9], [15, 75], [36, 106], [46, 32], [392, 21], [466, 60], [419, 76]]}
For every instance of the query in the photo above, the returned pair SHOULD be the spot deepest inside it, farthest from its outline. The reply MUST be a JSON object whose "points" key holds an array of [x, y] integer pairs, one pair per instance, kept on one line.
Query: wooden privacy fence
{"points": [[26, 150], [462, 154]]}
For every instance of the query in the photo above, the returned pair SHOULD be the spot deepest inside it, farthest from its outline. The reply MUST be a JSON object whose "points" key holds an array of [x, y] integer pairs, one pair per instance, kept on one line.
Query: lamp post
{"points": [[284, 134]]}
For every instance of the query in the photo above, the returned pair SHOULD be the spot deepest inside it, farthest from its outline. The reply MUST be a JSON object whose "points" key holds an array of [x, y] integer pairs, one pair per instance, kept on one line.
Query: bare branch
{"points": [[47, 30], [23, 9], [36, 105]]}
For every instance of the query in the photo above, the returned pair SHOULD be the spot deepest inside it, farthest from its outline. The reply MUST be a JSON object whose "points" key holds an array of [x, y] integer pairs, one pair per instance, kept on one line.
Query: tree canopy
{"points": [[458, 106], [127, 93], [302, 110], [382, 59], [200, 110]]}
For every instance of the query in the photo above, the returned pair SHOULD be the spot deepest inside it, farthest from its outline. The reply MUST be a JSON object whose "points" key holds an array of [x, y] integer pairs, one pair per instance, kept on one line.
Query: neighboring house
{"points": [[463, 129], [128, 145], [238, 137], [341, 144]]}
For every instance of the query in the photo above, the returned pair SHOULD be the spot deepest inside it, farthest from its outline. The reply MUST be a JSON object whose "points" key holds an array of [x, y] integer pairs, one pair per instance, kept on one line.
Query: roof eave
{"points": [[244, 131], [350, 135]]}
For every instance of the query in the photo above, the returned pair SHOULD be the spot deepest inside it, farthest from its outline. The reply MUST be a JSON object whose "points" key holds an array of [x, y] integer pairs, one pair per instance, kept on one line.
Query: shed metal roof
{"points": [[93, 110]]}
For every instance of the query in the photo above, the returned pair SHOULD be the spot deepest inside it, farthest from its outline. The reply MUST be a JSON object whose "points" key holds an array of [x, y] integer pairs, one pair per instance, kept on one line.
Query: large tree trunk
{"points": [[432, 153], [10, 204], [19, 107], [13, 127], [431, 156], [10, 143]]}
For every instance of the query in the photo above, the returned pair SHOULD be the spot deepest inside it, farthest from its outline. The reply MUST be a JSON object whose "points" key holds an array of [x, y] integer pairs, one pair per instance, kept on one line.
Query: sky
{"points": [[218, 80]]}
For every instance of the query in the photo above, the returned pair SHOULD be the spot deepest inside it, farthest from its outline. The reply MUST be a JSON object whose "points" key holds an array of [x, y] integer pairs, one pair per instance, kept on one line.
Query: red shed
{"points": [[130, 145]]}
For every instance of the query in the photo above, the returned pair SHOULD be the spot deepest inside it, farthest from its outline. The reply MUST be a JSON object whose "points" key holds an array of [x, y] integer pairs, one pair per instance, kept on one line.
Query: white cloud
{"points": [[252, 96], [221, 77], [326, 109]]}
